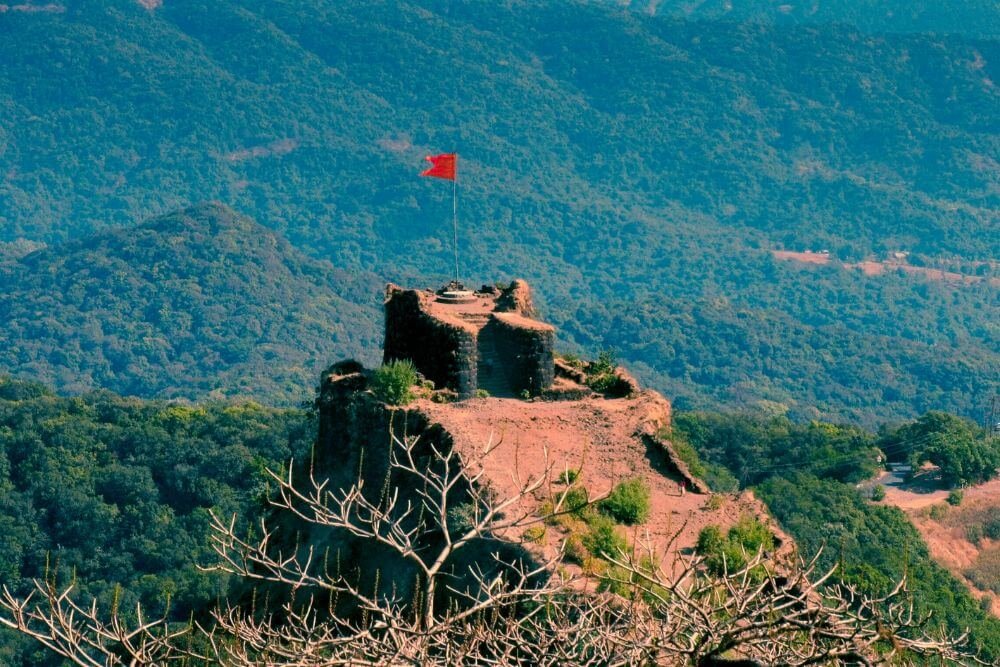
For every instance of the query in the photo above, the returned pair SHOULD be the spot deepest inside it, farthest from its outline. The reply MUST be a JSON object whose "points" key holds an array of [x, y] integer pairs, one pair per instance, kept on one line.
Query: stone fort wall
{"points": [[443, 352], [490, 342]]}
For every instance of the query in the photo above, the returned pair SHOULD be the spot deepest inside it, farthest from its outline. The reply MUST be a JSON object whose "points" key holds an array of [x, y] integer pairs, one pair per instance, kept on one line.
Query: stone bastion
{"points": [[467, 340]]}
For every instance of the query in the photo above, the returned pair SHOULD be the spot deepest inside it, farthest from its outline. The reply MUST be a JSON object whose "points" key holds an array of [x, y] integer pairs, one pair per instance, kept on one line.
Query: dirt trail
{"points": [[877, 268], [946, 535], [602, 438]]}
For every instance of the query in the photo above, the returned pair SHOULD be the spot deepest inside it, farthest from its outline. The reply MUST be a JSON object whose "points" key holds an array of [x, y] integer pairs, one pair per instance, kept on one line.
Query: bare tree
{"points": [[767, 612], [502, 610], [86, 637], [441, 505]]}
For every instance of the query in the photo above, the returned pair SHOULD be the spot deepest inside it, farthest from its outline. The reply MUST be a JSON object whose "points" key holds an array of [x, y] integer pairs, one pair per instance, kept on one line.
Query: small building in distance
{"points": [[469, 340]]}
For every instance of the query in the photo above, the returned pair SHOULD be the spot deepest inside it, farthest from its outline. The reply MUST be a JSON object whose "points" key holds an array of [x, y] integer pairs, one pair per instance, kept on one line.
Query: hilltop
{"points": [[129, 460], [198, 303], [640, 176]]}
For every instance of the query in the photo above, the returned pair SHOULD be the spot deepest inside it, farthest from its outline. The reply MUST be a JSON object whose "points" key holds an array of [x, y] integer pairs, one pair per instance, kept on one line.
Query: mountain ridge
{"points": [[656, 161], [201, 302]]}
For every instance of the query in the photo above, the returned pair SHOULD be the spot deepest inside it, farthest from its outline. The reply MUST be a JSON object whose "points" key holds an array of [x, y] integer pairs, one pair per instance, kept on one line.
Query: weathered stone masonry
{"points": [[487, 339], [443, 352]]}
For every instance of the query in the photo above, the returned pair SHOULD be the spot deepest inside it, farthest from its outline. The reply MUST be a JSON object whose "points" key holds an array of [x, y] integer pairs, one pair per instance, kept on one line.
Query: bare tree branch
{"points": [[501, 610]]}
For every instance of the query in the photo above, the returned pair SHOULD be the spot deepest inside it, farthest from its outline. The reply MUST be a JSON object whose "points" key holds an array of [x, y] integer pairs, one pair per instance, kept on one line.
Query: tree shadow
{"points": [[924, 481]]}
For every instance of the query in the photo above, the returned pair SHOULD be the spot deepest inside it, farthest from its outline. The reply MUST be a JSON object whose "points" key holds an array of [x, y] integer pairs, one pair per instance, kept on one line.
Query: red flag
{"points": [[442, 166]]}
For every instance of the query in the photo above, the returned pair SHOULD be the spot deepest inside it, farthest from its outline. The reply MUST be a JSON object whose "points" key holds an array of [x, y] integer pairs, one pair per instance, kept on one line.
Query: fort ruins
{"points": [[467, 340]]}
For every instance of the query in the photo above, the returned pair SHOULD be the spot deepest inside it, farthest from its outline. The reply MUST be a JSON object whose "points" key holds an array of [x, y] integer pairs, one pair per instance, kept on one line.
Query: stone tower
{"points": [[465, 340]]}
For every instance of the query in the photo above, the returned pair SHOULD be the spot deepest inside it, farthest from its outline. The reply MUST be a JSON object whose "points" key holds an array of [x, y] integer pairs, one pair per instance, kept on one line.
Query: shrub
{"points": [[610, 385], [605, 363], [482, 393], [569, 476], [628, 502], [575, 500], [628, 584], [752, 534], [730, 552], [602, 538], [955, 497], [574, 550], [545, 511], [602, 379], [974, 533], [393, 382], [462, 517], [444, 396], [878, 493], [714, 502], [710, 540], [573, 360], [617, 580]]}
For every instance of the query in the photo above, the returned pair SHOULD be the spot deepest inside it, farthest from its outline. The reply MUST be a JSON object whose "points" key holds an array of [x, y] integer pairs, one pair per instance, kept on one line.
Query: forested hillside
{"points": [[636, 169], [807, 473], [115, 493], [969, 17], [202, 302]]}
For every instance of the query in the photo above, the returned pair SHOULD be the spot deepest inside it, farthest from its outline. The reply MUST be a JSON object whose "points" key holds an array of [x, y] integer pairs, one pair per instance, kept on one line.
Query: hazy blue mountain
{"points": [[967, 17], [614, 159], [198, 303]]}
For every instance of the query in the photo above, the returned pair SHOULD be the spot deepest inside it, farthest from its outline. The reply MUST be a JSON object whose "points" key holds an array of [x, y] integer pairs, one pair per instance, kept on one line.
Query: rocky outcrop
{"points": [[517, 299]]}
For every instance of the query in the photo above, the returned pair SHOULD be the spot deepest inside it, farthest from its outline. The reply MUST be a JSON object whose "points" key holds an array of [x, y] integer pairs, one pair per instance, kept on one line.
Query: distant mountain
{"points": [[198, 303], [627, 165], [965, 17]]}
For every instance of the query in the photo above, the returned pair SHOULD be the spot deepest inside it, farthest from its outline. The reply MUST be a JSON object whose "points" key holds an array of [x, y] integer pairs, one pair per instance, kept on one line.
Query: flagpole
{"points": [[454, 217]]}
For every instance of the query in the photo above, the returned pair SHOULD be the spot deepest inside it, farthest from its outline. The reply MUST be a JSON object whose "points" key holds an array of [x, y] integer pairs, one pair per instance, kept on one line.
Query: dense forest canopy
{"points": [[202, 302], [966, 17], [636, 169], [806, 473], [116, 493]]}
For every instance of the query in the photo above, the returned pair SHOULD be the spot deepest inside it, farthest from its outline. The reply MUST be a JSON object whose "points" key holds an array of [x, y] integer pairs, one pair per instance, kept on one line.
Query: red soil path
{"points": [[873, 268], [601, 437], [948, 544]]}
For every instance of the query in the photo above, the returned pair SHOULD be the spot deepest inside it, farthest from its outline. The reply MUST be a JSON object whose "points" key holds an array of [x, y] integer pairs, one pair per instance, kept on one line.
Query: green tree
{"points": [[957, 446], [393, 382]]}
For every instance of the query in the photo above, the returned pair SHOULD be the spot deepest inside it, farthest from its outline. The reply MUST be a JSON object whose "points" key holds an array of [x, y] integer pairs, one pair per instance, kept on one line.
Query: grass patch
{"points": [[629, 502], [985, 572], [534, 534]]}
